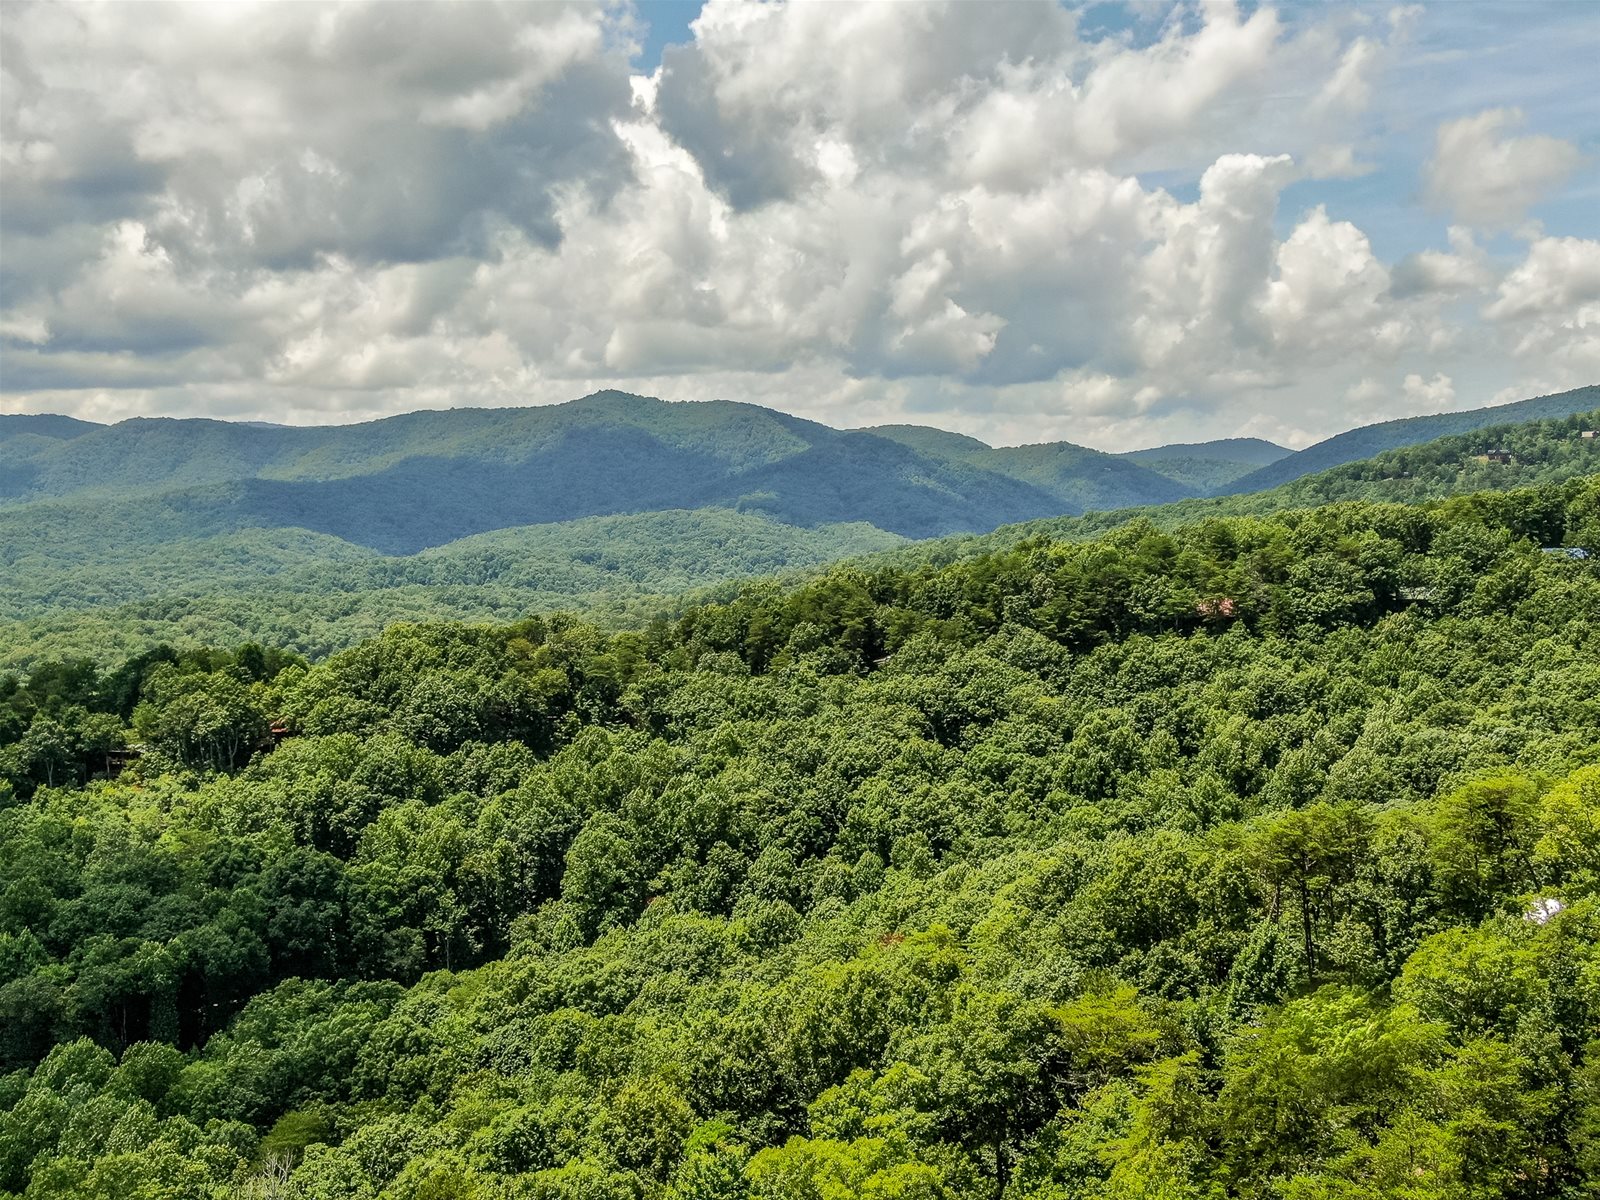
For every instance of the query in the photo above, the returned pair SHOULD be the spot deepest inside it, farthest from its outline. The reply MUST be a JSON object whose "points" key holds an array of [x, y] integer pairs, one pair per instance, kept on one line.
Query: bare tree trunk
{"points": [[1305, 927]]}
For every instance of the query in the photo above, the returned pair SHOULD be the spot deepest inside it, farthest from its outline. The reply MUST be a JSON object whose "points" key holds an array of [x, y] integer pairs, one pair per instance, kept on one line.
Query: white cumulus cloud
{"points": [[1489, 176], [1548, 307], [984, 216], [1429, 395]]}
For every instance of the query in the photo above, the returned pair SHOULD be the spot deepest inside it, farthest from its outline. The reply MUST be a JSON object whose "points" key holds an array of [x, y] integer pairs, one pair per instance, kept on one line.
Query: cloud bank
{"points": [[995, 218]]}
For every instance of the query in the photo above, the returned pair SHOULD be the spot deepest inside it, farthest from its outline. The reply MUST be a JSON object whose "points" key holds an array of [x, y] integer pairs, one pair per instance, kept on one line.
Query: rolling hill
{"points": [[123, 536], [1370, 440], [1074, 477], [424, 479], [1540, 452], [1208, 466]]}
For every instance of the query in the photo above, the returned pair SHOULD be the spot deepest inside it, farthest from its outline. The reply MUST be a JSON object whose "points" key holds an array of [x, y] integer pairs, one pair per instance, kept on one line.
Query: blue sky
{"points": [[1116, 223], [667, 24]]}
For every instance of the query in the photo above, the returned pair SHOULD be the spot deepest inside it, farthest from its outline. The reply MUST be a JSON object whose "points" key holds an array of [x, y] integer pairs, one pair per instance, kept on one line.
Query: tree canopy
{"points": [[1256, 857]]}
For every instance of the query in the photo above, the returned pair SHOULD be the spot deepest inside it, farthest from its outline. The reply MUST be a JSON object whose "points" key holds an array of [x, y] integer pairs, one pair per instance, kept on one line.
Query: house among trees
{"points": [[117, 760], [1590, 433], [1503, 457]]}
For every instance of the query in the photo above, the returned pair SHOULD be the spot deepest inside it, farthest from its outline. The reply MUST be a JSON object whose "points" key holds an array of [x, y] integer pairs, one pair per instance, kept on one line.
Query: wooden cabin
{"points": [[117, 761], [277, 732]]}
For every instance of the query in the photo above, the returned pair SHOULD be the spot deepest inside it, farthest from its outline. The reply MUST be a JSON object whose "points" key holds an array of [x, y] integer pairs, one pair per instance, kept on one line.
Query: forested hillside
{"points": [[321, 594], [82, 578], [1074, 477], [1254, 858], [423, 479], [1207, 466], [1535, 452], [1371, 440]]}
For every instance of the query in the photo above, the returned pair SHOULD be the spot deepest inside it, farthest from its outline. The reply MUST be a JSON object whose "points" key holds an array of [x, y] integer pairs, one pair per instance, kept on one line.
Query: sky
{"points": [[1114, 224]]}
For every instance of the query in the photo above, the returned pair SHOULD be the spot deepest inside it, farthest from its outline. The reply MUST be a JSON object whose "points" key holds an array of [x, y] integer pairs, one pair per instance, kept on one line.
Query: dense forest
{"points": [[73, 594], [1530, 453], [1368, 440], [1256, 857], [80, 579]]}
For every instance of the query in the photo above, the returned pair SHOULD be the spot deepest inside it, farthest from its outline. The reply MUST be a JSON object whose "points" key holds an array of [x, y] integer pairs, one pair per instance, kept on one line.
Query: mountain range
{"points": [[149, 528], [405, 483], [409, 482]]}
